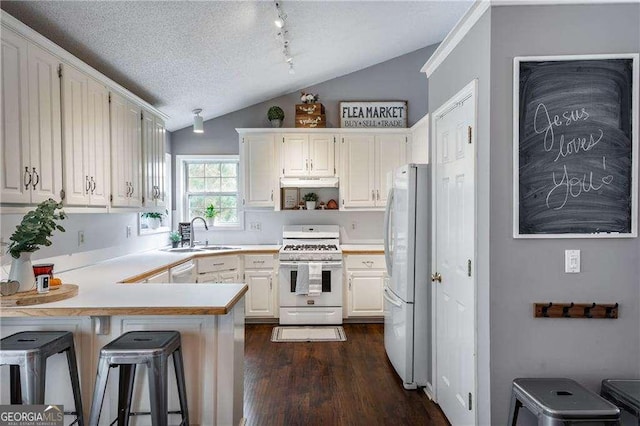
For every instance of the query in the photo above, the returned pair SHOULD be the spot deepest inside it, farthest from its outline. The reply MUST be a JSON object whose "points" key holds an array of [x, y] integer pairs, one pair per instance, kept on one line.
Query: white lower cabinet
{"points": [[365, 276], [218, 269], [261, 276]]}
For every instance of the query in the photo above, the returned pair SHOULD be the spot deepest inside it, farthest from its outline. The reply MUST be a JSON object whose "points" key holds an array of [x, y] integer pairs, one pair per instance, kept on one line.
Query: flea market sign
{"points": [[391, 114]]}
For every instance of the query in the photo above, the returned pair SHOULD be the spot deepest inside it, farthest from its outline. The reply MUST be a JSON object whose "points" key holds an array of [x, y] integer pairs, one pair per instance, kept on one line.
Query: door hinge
{"points": [[243, 201], [143, 200], [242, 140], [62, 194], [334, 139], [141, 116], [283, 139], [59, 70], [282, 171], [111, 198], [469, 132], [470, 401], [406, 139], [469, 267], [109, 97]]}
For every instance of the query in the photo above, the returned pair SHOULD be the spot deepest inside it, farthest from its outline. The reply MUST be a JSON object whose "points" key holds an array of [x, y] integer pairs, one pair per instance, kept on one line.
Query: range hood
{"points": [[325, 182]]}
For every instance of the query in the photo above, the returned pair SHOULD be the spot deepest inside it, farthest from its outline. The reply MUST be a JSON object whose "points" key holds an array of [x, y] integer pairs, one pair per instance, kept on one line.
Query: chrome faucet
{"points": [[192, 232]]}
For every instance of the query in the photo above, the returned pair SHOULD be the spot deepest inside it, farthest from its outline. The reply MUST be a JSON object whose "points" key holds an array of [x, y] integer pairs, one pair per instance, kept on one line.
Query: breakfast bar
{"points": [[210, 319]]}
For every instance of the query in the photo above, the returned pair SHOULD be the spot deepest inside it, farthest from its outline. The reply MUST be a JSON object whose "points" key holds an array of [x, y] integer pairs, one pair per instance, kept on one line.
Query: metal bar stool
{"points": [[560, 402], [152, 348], [26, 353], [624, 393]]}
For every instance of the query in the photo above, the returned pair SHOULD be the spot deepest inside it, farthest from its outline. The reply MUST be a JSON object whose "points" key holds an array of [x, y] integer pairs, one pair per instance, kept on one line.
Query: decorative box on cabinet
{"points": [[365, 275], [31, 141]]}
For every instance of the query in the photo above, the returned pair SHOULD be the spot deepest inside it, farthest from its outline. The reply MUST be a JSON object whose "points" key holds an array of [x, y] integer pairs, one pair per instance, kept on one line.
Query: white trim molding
{"points": [[27, 32]]}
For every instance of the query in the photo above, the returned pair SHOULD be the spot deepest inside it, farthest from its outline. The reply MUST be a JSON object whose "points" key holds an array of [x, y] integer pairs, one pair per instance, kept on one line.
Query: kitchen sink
{"points": [[183, 250], [217, 248]]}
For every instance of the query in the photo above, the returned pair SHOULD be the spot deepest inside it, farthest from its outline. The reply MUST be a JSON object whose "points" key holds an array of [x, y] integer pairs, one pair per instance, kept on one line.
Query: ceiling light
{"points": [[279, 22], [198, 122], [291, 70]]}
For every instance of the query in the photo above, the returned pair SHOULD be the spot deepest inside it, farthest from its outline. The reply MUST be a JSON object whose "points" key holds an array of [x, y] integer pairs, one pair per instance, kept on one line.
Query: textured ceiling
{"points": [[223, 56]]}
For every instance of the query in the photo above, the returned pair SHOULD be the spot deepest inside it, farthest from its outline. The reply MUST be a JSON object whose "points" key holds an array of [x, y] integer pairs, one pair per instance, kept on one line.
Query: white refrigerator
{"points": [[407, 290]]}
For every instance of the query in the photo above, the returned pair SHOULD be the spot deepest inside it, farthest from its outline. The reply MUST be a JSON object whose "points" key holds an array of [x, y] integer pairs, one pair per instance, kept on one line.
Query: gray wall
{"points": [[529, 271], [471, 60], [397, 79]]}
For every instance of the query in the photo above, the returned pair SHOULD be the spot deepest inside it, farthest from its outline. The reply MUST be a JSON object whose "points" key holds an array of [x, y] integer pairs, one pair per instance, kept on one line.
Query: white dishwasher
{"points": [[183, 273]]}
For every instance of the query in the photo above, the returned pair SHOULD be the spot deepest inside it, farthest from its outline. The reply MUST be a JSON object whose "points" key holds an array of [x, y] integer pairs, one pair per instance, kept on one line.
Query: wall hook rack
{"points": [[575, 310]]}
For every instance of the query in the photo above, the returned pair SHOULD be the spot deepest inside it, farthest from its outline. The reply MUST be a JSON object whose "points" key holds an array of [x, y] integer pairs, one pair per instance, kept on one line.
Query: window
{"points": [[212, 181]]}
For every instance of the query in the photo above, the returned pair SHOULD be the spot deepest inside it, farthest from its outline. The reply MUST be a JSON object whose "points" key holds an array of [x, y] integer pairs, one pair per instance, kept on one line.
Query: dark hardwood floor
{"points": [[330, 383]]}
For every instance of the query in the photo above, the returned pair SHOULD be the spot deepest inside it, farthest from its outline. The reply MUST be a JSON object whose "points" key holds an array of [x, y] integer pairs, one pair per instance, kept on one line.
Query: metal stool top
{"points": [[46, 342], [564, 399], [625, 391], [143, 343]]}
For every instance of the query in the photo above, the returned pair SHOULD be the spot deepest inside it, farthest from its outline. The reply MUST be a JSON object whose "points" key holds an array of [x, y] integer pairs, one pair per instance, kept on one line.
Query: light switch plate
{"points": [[572, 261]]}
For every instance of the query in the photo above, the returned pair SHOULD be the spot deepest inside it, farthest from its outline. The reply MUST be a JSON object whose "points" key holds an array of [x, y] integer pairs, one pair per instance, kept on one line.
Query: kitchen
{"points": [[105, 234]]}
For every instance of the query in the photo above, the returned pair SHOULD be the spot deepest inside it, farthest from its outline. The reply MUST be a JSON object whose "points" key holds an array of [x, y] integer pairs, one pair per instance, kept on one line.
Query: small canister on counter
{"points": [[42, 283]]}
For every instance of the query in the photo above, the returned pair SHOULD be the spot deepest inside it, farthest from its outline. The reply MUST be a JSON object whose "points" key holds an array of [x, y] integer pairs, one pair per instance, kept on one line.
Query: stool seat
{"points": [[560, 400], [624, 393], [26, 353], [153, 349]]}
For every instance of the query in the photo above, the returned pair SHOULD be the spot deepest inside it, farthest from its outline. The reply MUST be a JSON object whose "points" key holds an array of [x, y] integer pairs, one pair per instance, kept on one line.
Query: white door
{"points": [[295, 155], [15, 183], [259, 298], [258, 160], [229, 276], [391, 153], [358, 153], [455, 256], [322, 155]]}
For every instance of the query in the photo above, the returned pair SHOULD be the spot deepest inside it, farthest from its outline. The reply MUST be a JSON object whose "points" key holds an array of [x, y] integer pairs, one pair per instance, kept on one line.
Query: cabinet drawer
{"points": [[365, 262], [259, 261], [217, 263]]}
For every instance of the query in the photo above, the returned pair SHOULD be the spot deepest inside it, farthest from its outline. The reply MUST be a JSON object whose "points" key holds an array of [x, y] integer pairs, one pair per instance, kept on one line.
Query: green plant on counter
{"points": [[310, 196], [275, 113], [36, 228], [210, 212], [175, 237]]}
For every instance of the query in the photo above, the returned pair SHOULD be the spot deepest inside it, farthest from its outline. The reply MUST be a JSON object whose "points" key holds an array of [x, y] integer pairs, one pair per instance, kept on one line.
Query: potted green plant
{"points": [[210, 214], [275, 116], [34, 231], [154, 219], [175, 238], [310, 199]]}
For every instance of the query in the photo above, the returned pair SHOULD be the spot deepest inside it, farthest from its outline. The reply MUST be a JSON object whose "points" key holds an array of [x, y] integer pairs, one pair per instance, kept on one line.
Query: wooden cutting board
{"points": [[32, 297]]}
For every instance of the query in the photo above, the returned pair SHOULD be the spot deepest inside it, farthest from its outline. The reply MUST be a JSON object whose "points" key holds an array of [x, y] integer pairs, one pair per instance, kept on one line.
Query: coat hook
{"points": [[609, 311], [545, 309], [565, 310], [587, 311]]}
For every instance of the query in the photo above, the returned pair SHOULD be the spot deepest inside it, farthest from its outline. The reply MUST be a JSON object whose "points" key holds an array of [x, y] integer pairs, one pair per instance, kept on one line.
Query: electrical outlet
{"points": [[572, 261], [80, 238], [255, 226], [128, 231]]}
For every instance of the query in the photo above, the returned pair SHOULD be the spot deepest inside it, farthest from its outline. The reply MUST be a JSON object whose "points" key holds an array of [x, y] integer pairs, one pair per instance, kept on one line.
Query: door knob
{"points": [[436, 277]]}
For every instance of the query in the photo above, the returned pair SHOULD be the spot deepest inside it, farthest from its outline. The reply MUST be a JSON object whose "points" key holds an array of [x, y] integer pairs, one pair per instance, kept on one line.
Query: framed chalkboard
{"points": [[575, 155]]}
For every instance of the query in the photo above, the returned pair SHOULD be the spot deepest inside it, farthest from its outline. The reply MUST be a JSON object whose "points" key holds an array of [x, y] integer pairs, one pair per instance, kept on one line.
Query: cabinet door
{"points": [[358, 152], [259, 300], [390, 154], [77, 185], [120, 168], [365, 293], [259, 175], [159, 161], [322, 155], [14, 137], [148, 158], [229, 276], [98, 143], [134, 152], [295, 155], [45, 125]]}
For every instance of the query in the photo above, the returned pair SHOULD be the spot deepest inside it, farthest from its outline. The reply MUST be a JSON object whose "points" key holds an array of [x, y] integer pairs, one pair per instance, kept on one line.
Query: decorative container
{"points": [[22, 271]]}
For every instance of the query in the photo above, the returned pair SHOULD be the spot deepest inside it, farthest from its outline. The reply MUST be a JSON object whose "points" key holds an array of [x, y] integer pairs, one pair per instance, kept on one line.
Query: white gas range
{"points": [[303, 245]]}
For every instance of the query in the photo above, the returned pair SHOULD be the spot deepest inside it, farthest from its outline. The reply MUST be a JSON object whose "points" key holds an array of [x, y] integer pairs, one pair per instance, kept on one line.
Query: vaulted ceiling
{"points": [[223, 56]]}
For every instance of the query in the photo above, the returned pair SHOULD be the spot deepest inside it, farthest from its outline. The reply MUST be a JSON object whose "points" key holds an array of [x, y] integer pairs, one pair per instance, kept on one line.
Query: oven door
{"points": [[331, 286]]}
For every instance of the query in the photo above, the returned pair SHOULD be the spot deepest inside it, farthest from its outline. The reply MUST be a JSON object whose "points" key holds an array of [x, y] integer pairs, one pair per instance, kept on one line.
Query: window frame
{"points": [[182, 204]]}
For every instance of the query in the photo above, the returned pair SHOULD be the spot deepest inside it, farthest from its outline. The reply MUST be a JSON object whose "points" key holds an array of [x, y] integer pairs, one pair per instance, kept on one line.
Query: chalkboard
{"points": [[575, 146]]}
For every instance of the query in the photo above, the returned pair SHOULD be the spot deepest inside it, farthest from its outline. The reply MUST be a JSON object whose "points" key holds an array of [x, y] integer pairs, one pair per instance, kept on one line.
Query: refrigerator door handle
{"points": [[387, 230], [385, 294]]}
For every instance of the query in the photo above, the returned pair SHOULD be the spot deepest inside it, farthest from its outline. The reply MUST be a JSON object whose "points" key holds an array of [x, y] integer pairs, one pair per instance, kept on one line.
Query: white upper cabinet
{"points": [[308, 155], [367, 161], [153, 141], [31, 128], [85, 115], [258, 163], [126, 152]]}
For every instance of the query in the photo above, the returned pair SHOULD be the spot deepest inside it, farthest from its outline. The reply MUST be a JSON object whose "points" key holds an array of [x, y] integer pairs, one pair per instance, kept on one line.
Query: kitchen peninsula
{"points": [[209, 317]]}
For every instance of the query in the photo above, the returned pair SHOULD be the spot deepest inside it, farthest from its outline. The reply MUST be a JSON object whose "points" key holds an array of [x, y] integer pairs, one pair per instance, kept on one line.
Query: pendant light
{"points": [[198, 122]]}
